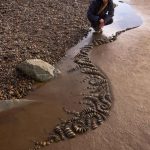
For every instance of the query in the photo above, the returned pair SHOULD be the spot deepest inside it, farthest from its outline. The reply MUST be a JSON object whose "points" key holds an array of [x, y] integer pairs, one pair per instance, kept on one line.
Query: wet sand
{"points": [[126, 63]]}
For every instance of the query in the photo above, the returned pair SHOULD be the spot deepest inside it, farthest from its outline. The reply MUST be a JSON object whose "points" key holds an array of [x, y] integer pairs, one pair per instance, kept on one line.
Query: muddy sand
{"points": [[126, 63]]}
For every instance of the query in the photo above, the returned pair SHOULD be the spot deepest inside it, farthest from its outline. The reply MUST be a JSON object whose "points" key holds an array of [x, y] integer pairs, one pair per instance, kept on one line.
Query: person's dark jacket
{"points": [[107, 13]]}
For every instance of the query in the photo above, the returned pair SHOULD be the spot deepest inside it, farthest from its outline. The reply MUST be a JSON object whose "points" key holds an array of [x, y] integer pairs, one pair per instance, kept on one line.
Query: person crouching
{"points": [[100, 13]]}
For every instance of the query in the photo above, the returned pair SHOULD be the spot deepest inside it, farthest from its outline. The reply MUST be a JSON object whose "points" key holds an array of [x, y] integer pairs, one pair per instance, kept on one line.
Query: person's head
{"points": [[105, 1]]}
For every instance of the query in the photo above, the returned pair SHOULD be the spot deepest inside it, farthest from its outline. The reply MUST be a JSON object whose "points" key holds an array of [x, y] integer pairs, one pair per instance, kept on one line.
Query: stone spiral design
{"points": [[98, 102]]}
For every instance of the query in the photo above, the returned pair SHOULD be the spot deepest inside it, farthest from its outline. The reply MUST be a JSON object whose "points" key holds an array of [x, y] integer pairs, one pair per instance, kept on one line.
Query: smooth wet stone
{"points": [[115, 5], [37, 69]]}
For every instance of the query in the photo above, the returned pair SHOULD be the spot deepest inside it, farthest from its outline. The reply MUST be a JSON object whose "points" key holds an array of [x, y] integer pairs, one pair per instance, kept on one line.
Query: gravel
{"points": [[31, 29]]}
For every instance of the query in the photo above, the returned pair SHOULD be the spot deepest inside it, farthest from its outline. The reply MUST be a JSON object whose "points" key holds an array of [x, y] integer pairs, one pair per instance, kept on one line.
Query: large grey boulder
{"points": [[37, 69]]}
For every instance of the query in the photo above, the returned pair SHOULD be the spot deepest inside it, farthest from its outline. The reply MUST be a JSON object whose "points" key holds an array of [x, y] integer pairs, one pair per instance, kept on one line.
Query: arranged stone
{"points": [[115, 5], [37, 69], [98, 103]]}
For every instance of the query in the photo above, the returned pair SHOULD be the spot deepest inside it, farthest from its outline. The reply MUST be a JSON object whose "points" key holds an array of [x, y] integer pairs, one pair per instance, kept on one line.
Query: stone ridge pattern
{"points": [[98, 102], [36, 29]]}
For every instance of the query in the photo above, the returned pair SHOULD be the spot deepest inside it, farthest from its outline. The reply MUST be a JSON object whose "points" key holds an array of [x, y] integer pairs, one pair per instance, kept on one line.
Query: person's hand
{"points": [[101, 23]]}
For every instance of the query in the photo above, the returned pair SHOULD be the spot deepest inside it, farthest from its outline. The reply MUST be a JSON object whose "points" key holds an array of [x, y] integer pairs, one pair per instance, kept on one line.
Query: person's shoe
{"points": [[98, 31]]}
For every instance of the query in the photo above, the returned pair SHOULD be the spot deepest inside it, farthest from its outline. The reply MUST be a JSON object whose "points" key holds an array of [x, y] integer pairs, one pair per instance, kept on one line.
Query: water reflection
{"points": [[125, 17]]}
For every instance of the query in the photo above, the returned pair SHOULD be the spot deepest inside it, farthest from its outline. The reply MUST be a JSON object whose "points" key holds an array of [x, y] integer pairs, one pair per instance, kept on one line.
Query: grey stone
{"points": [[37, 69]]}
